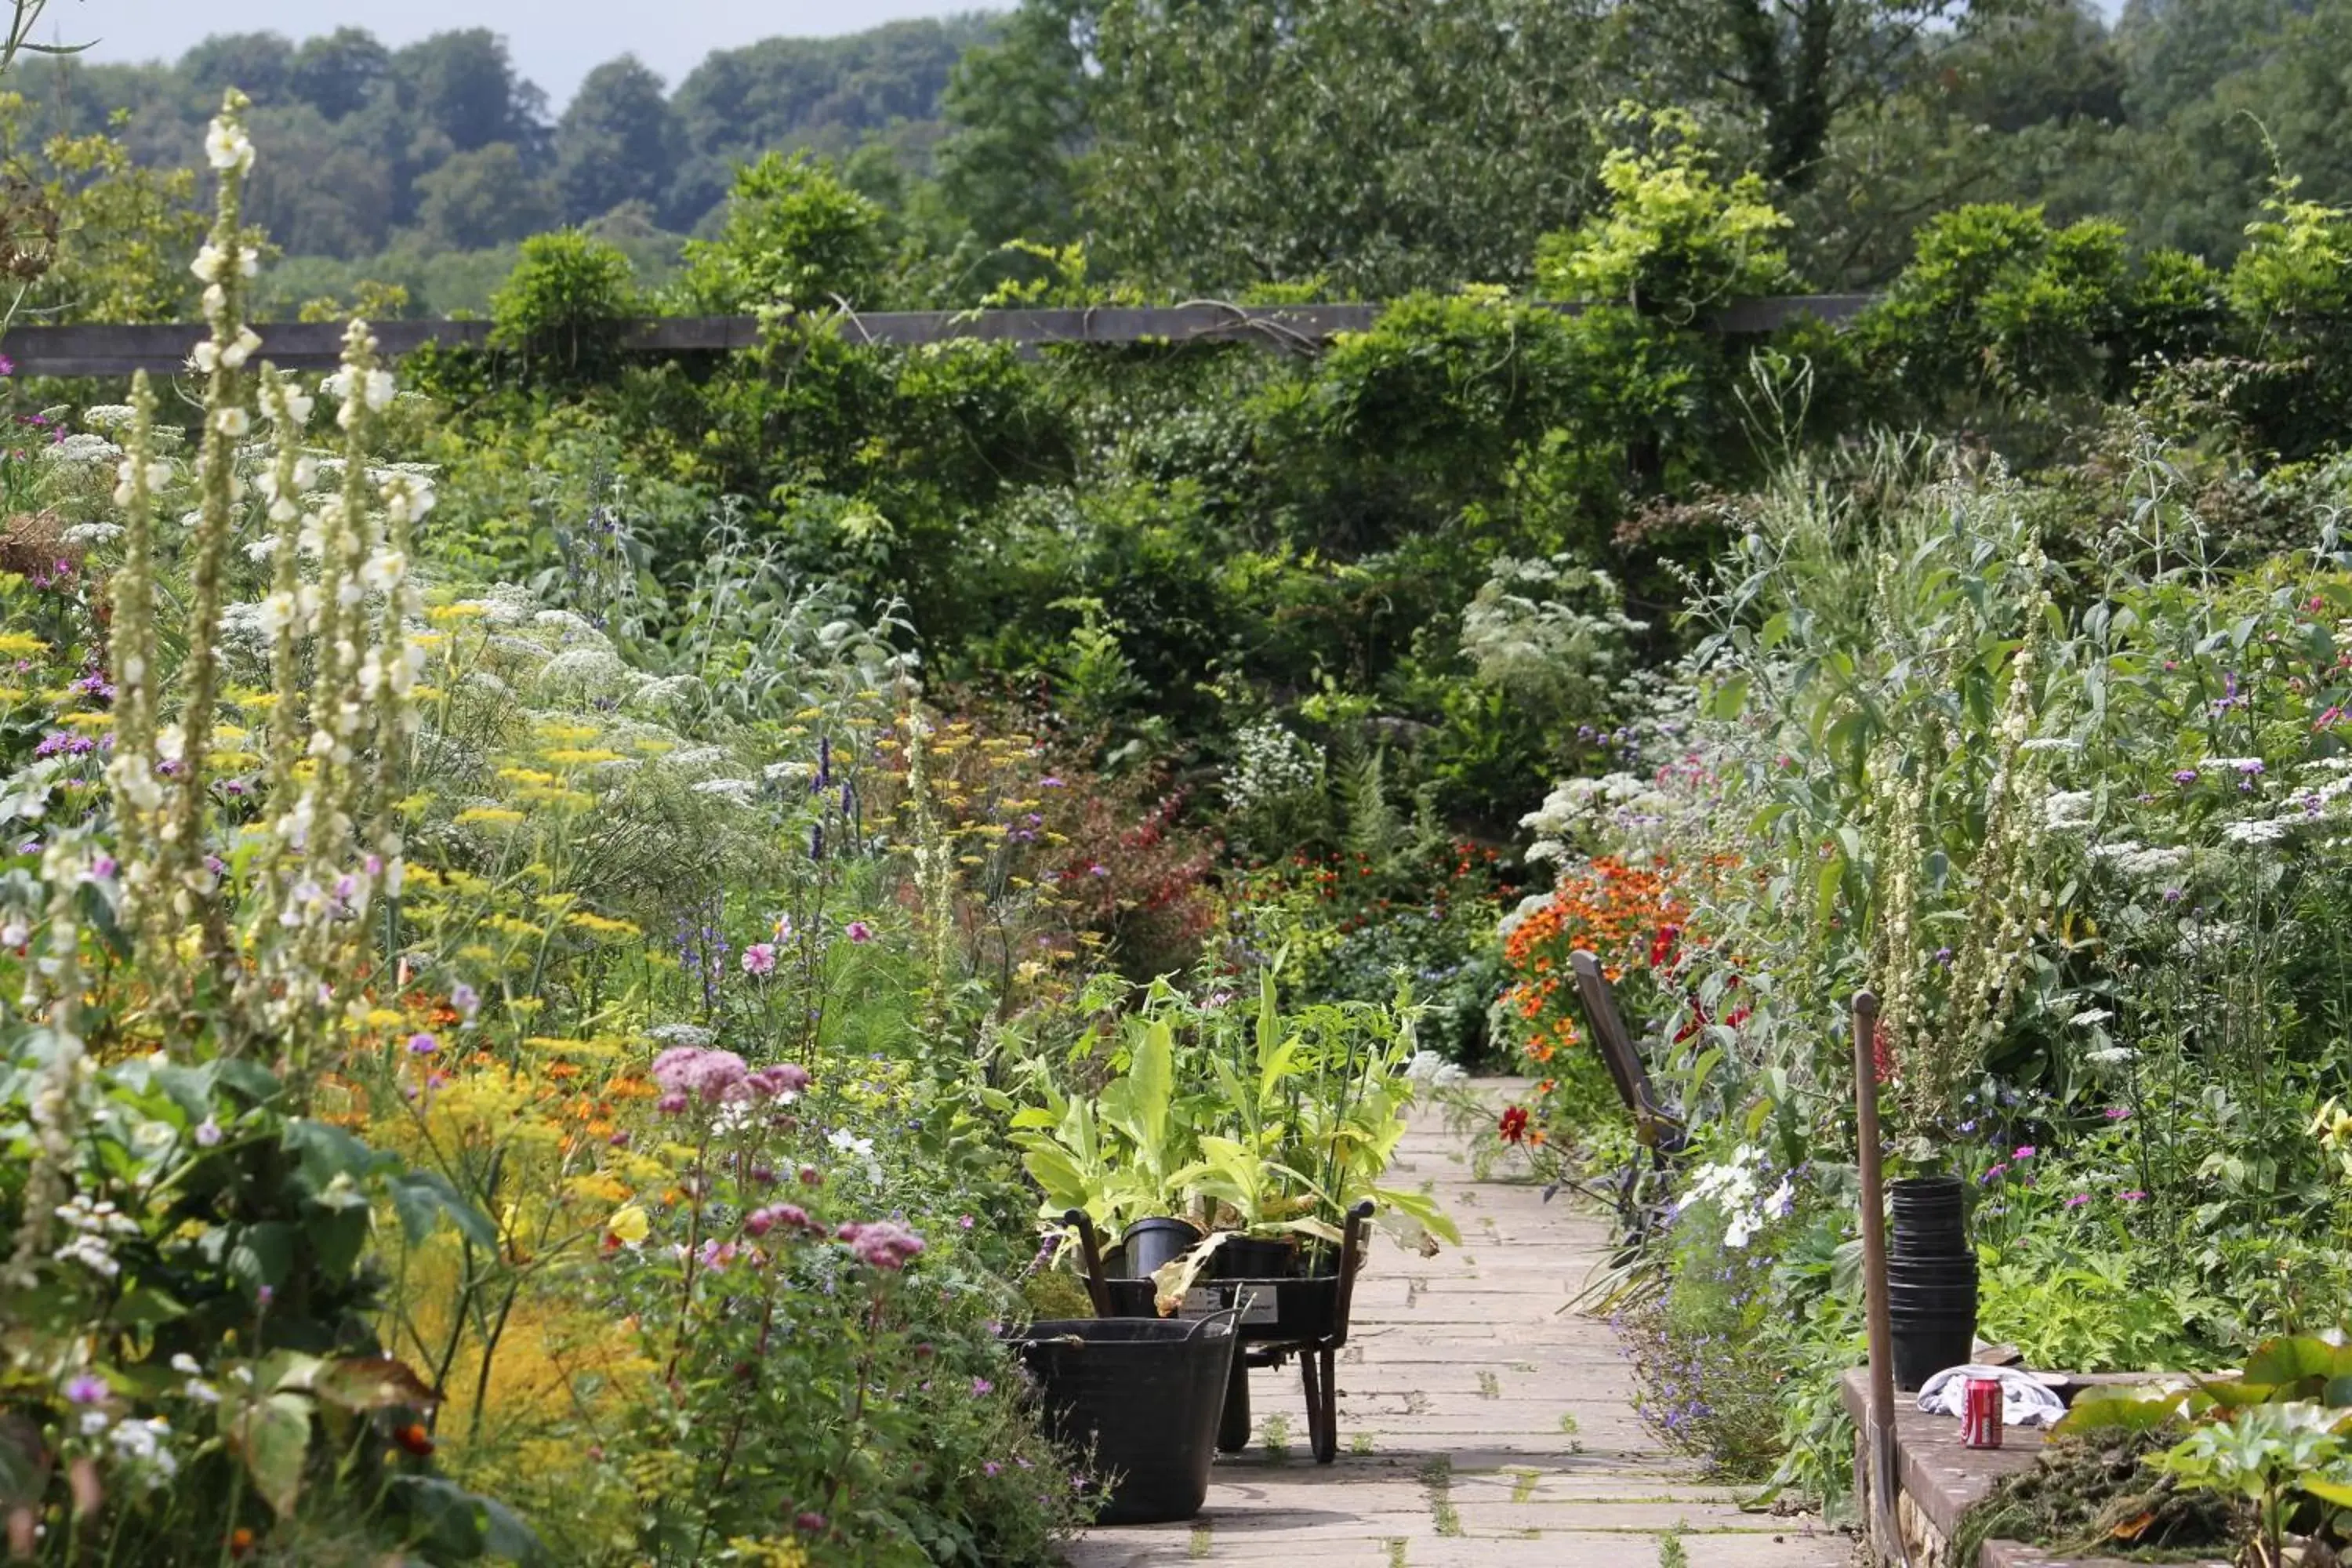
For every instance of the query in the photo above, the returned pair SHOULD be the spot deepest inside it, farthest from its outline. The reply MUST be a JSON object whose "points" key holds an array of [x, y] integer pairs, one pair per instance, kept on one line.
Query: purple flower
{"points": [[208, 1133], [2118, 1112], [85, 1389], [1994, 1174], [2184, 776], [990, 1467], [1050, 781], [423, 1045], [860, 932], [2135, 1195], [2249, 766], [2078, 1200], [759, 958], [980, 1387], [1097, 869], [670, 1104], [465, 999]]}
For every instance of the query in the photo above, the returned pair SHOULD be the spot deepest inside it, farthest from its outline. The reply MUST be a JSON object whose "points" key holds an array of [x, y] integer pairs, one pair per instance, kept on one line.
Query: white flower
{"points": [[226, 146], [232, 422], [2253, 831], [843, 1140], [380, 388], [2065, 809], [2089, 1016]]}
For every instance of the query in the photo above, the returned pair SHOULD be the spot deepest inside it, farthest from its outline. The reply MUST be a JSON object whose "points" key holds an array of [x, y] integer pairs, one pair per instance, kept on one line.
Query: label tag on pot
{"points": [[1257, 1306]]}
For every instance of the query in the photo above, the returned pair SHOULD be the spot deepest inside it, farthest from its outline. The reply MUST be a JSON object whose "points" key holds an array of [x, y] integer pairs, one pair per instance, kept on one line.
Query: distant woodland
{"points": [[1182, 143]]}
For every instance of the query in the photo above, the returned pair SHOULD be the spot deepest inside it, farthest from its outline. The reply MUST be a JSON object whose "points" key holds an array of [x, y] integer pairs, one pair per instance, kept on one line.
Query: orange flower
{"points": [[414, 1438]]}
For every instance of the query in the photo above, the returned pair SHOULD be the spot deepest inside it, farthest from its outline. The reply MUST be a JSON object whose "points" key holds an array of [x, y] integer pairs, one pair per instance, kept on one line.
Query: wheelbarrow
{"points": [[1278, 1318]]}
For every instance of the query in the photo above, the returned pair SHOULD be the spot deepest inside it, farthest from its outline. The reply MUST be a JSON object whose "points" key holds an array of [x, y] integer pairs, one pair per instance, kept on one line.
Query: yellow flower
{"points": [[442, 614], [600, 925], [576, 757], [385, 1017], [88, 721], [629, 1225], [21, 644], [497, 815], [526, 776], [567, 734]]}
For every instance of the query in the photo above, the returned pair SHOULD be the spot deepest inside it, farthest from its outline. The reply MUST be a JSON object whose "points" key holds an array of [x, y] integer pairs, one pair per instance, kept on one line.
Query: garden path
{"points": [[1478, 1424]]}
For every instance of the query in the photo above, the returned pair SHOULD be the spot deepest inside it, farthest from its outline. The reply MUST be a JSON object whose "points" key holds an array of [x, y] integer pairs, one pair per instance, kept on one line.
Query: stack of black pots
{"points": [[1931, 1279]]}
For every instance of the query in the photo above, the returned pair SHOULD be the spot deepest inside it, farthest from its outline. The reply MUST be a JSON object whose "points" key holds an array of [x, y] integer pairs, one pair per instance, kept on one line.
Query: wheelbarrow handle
{"points": [[1098, 1287], [1351, 1252]]}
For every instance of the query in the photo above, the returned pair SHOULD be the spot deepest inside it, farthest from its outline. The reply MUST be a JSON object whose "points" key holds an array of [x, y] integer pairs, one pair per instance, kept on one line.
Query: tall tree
{"points": [[1017, 112], [618, 141], [1370, 145], [338, 73], [463, 85], [480, 198]]}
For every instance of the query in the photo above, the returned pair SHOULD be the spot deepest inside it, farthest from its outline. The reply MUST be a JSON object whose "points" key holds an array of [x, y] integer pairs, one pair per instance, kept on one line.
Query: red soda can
{"points": [[1980, 1412]]}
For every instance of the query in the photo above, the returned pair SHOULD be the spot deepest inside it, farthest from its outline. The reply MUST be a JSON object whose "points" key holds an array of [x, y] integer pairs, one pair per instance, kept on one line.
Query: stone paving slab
{"points": [[1453, 1451]]}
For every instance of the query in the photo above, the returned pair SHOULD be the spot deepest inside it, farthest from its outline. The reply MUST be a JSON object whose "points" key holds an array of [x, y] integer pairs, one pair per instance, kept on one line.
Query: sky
{"points": [[554, 42]]}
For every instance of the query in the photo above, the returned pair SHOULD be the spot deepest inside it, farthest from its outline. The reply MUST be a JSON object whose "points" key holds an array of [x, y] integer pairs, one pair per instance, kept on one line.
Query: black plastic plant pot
{"points": [[1254, 1258], [1928, 1195], [1926, 1346], [1144, 1395], [1152, 1244], [1934, 1273], [1930, 1217]]}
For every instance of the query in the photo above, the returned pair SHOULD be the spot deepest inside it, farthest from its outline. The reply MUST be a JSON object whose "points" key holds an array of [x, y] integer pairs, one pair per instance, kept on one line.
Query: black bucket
{"points": [[1144, 1394], [1152, 1244]]}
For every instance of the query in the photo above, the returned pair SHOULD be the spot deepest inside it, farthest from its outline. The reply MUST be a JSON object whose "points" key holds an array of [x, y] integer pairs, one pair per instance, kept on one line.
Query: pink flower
{"points": [[2134, 1197], [2078, 1200], [2024, 1151], [712, 1076], [881, 1243], [1995, 1173], [980, 1387], [760, 959], [781, 1081], [860, 932]]}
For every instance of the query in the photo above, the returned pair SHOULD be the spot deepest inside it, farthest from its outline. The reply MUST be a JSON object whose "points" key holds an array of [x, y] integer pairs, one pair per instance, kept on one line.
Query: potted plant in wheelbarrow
{"points": [[1294, 1119], [1121, 1156]]}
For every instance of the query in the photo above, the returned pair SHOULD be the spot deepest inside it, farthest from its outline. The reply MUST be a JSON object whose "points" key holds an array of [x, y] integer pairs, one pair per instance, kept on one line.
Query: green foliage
{"points": [[562, 308], [1670, 240], [795, 238]]}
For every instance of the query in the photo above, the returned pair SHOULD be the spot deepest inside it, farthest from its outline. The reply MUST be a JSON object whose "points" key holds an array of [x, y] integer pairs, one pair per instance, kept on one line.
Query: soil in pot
{"points": [[1254, 1258], [1145, 1396], [1152, 1244]]}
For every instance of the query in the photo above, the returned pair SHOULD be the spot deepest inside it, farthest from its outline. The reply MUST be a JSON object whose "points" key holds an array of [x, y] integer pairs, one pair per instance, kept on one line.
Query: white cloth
{"points": [[2025, 1400]]}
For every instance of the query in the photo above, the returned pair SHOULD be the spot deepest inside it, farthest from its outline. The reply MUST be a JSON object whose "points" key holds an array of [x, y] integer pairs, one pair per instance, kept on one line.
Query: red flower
{"points": [[414, 1438], [1514, 1125]]}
